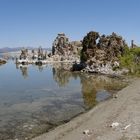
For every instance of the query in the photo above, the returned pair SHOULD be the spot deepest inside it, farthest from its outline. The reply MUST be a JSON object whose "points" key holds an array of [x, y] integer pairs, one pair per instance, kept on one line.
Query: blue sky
{"points": [[37, 22]]}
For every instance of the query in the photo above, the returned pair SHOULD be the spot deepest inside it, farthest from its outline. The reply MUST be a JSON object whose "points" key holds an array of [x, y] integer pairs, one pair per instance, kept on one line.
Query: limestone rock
{"points": [[65, 49], [101, 53], [24, 54]]}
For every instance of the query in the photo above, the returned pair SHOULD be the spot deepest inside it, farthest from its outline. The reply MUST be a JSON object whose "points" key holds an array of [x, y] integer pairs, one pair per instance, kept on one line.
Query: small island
{"points": [[2, 61]]}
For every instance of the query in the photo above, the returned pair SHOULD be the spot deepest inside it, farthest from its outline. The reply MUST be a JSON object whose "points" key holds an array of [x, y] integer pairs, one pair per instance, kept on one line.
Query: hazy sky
{"points": [[37, 22]]}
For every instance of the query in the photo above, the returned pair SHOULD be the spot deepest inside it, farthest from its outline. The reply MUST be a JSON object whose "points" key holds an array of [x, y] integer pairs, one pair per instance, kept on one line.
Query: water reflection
{"points": [[61, 76], [88, 90], [23, 69], [91, 85], [46, 96], [94, 88]]}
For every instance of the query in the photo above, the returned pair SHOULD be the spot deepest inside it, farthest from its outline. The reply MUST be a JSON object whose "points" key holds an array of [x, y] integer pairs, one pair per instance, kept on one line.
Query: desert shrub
{"points": [[131, 60]]}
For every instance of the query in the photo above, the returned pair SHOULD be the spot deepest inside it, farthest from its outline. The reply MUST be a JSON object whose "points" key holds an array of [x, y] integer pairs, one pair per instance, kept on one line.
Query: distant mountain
{"points": [[7, 49]]}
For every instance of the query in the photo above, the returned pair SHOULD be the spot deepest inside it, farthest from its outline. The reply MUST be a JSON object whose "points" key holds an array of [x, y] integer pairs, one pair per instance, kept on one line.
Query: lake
{"points": [[35, 99]]}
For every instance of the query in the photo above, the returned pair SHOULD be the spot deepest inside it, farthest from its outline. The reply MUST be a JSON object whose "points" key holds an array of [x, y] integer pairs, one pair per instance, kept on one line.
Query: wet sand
{"points": [[125, 110]]}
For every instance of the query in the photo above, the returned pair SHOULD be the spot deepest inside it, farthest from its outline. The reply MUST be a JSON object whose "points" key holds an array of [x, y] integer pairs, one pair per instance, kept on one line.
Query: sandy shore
{"points": [[125, 110]]}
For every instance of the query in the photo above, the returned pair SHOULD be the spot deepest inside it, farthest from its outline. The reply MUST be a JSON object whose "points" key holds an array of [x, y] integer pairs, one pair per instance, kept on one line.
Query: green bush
{"points": [[131, 60], [127, 60], [135, 51]]}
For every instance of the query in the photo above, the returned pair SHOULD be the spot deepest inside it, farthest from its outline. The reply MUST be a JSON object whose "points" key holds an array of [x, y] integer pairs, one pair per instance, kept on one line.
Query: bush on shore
{"points": [[131, 60]]}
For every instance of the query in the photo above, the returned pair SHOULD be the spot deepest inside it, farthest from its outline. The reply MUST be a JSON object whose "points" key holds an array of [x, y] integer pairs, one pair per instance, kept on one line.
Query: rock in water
{"points": [[2, 61], [60, 45], [65, 50]]}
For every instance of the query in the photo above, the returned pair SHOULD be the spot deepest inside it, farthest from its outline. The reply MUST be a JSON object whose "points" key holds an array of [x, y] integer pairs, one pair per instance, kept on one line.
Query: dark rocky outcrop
{"points": [[101, 53], [2, 61], [109, 47]]}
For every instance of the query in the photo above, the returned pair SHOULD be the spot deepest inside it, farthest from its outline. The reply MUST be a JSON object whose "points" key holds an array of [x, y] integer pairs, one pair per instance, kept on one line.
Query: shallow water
{"points": [[35, 99]]}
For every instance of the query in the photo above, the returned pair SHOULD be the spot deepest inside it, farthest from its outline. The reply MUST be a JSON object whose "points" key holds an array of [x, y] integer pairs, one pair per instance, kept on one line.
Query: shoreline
{"points": [[124, 110]]}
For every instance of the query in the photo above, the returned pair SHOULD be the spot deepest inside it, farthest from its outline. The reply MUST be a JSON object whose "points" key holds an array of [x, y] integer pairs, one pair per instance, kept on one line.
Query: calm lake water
{"points": [[35, 99]]}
